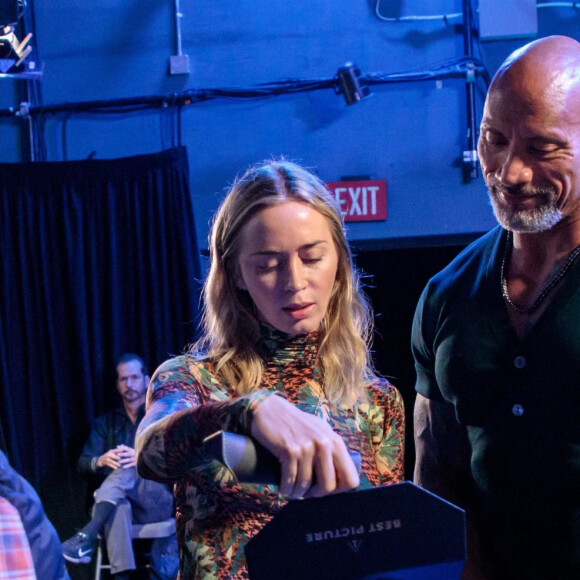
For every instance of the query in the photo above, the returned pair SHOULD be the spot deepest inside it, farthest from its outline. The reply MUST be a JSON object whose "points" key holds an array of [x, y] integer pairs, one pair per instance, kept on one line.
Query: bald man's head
{"points": [[529, 142], [545, 68]]}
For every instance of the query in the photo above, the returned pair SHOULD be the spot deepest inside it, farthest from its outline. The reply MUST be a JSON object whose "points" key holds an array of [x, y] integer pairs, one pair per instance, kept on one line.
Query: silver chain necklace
{"points": [[547, 289]]}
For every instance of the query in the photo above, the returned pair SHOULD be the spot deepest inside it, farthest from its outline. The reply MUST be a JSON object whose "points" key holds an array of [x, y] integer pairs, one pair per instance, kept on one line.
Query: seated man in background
{"points": [[122, 498], [29, 544]]}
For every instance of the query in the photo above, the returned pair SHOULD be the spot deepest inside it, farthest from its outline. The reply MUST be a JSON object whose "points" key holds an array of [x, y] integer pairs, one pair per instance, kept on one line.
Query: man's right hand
{"points": [[122, 456], [109, 459]]}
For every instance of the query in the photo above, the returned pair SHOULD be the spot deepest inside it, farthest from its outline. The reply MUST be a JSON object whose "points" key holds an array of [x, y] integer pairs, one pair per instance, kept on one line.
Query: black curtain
{"points": [[394, 280], [99, 257]]}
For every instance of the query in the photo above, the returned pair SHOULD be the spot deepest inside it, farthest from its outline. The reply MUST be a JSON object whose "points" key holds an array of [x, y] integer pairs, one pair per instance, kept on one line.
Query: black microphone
{"points": [[249, 460]]}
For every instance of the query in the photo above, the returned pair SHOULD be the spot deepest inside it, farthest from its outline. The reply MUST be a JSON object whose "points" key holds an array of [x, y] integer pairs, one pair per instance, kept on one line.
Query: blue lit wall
{"points": [[412, 134]]}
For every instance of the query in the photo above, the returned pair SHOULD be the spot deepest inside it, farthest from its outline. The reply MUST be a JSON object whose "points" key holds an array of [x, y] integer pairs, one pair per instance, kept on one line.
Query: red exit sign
{"points": [[361, 201]]}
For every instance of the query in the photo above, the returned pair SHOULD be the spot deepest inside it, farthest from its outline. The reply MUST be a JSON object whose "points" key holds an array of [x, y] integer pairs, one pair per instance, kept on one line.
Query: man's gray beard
{"points": [[537, 219]]}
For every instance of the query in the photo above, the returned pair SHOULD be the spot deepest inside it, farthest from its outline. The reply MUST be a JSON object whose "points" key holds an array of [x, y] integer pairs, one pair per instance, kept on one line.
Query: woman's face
{"points": [[288, 263]]}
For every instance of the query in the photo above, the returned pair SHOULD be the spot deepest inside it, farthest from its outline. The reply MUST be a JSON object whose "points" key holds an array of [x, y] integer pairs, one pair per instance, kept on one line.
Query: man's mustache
{"points": [[523, 190]]}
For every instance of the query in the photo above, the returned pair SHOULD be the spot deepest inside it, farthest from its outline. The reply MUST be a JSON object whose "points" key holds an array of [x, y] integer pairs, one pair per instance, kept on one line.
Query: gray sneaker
{"points": [[79, 548]]}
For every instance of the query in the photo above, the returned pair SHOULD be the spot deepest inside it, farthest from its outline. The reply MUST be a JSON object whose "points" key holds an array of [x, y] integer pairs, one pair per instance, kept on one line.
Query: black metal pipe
{"points": [[470, 154]]}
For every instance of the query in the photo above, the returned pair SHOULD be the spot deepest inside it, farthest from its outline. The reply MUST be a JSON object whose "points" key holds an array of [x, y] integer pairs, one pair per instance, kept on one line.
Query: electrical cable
{"points": [[444, 17], [22, 5], [454, 15], [558, 5], [454, 68]]}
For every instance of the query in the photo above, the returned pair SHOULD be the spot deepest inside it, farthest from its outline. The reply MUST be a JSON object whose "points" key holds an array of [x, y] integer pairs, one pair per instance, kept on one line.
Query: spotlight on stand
{"points": [[12, 51], [351, 85]]}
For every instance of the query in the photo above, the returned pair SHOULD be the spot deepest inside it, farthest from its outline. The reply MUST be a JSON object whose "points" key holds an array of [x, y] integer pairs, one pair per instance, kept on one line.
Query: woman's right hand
{"points": [[306, 446]]}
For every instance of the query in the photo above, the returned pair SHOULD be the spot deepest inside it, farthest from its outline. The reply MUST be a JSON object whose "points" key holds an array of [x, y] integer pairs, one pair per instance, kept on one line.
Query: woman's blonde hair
{"points": [[230, 327]]}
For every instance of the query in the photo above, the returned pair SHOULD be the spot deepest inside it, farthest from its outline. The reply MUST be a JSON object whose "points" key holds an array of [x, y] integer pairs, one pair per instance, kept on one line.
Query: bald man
{"points": [[496, 334]]}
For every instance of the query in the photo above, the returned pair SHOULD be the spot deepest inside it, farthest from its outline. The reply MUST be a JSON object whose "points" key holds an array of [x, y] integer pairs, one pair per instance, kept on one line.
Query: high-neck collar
{"points": [[283, 349]]}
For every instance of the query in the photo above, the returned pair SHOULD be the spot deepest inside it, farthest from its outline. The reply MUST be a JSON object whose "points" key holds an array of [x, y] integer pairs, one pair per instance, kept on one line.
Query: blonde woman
{"points": [[283, 358]]}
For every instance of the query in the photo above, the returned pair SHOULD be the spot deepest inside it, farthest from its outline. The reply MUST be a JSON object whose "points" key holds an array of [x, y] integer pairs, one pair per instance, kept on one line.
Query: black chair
{"points": [[162, 529]]}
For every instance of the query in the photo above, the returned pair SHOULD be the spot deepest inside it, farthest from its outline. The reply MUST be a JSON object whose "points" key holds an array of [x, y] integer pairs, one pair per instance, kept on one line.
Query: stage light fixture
{"points": [[351, 84], [12, 51]]}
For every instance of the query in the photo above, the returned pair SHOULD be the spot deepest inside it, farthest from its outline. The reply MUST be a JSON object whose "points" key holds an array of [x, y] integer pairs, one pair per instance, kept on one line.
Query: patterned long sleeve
{"points": [[185, 404]]}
